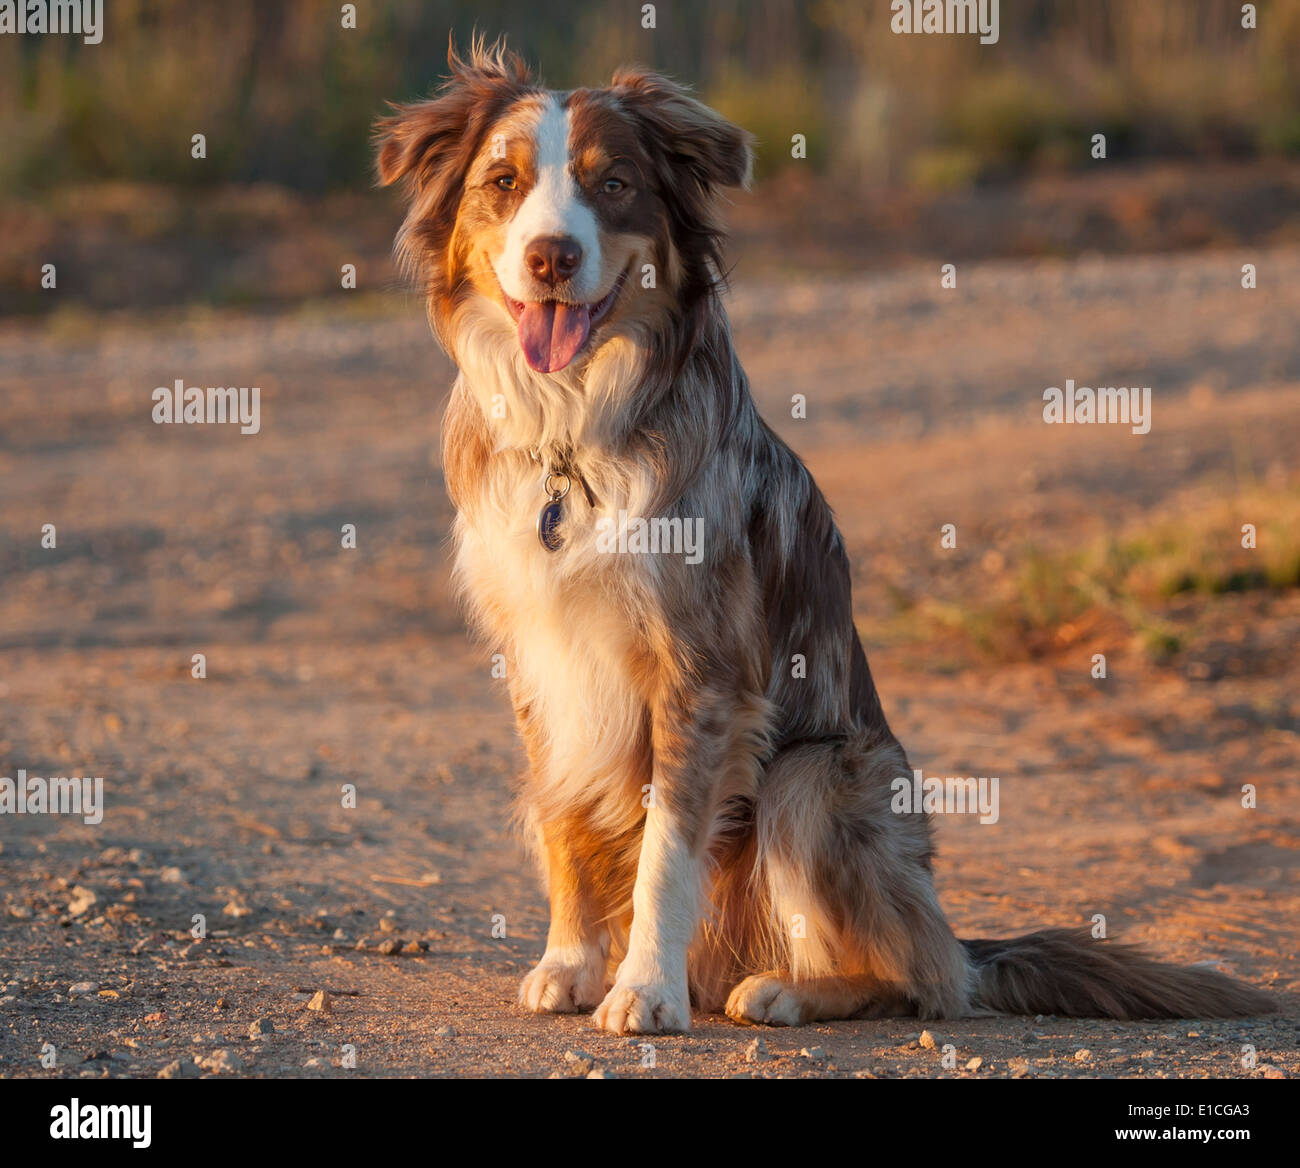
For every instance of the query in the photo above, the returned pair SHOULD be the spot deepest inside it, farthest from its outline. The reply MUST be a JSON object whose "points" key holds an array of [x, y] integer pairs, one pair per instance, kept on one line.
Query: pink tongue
{"points": [[551, 333]]}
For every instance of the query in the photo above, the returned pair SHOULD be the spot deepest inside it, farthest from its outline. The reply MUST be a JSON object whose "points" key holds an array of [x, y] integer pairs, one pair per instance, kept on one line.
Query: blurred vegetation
{"points": [[1150, 580], [286, 95]]}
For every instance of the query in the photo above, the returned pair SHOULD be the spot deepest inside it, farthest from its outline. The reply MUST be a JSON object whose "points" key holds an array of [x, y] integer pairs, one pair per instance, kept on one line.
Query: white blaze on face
{"points": [[553, 208]]}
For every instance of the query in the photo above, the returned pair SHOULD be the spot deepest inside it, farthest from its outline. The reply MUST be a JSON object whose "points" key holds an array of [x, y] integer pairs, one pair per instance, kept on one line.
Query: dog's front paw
{"points": [[644, 1009], [564, 982]]}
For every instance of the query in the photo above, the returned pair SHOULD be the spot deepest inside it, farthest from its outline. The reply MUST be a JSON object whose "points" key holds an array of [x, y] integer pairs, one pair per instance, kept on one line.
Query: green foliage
{"points": [[286, 95]]}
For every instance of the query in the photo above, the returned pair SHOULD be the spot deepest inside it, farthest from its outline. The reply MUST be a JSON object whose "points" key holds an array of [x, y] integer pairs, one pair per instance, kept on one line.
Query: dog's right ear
{"points": [[423, 142]]}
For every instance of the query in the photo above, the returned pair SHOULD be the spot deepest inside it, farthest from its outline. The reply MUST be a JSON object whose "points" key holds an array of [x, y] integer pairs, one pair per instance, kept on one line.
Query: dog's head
{"points": [[566, 211]]}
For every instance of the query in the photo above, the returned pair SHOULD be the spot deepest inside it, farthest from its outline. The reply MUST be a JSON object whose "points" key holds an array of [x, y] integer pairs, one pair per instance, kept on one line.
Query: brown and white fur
{"points": [[713, 830]]}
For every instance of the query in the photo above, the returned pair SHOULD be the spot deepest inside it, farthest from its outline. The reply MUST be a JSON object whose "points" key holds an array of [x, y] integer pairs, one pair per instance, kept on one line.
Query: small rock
{"points": [[416, 947], [975, 1064], [185, 1068], [321, 1003], [813, 1054], [601, 1074], [1029, 1038], [83, 900], [221, 1062], [221, 1004], [261, 1028], [1272, 1072], [1082, 1056], [579, 1063], [171, 876], [236, 908], [927, 1040], [391, 946], [21, 912], [313, 1062], [83, 987], [756, 1052], [445, 1032]]}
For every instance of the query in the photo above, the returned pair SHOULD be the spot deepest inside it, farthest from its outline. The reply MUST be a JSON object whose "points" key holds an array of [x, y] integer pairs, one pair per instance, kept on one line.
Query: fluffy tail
{"points": [[1067, 972]]}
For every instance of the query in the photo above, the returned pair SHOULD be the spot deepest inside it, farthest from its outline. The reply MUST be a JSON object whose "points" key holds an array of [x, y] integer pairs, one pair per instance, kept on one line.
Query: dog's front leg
{"points": [[571, 973], [650, 993]]}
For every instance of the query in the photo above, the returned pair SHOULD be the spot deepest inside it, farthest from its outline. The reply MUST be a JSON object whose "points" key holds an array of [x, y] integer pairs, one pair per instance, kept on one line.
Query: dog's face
{"points": [[561, 209]]}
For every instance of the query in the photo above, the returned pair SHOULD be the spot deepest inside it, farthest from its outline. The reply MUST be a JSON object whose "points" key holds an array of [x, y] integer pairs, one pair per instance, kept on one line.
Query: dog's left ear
{"points": [[687, 132]]}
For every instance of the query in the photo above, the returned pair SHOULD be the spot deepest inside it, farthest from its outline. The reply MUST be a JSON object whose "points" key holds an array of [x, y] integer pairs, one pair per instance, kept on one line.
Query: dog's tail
{"points": [[1067, 972]]}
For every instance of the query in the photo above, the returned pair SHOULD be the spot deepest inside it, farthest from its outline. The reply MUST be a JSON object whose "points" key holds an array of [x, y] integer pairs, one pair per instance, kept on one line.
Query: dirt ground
{"points": [[329, 666]]}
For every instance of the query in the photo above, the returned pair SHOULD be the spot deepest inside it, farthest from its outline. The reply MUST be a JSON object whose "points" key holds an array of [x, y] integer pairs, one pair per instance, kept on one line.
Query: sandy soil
{"points": [[328, 667]]}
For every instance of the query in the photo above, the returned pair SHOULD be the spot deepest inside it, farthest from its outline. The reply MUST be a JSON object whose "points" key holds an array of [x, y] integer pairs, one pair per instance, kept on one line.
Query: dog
{"points": [[714, 826]]}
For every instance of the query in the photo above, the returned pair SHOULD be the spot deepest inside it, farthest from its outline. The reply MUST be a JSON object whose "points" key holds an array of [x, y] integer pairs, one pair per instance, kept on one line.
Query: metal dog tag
{"points": [[548, 523], [548, 519]]}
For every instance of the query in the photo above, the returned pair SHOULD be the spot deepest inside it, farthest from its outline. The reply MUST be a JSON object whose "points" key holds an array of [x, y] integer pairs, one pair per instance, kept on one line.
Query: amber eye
{"points": [[612, 186], [508, 182]]}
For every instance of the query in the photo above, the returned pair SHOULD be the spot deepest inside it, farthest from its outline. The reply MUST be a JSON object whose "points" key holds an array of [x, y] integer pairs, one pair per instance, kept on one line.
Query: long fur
{"points": [[711, 821]]}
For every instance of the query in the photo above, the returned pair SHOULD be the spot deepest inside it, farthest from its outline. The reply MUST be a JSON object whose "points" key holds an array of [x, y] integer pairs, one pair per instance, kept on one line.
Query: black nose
{"points": [[553, 260]]}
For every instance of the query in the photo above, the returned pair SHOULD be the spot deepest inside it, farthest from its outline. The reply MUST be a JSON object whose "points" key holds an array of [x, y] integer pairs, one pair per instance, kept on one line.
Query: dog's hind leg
{"points": [[855, 926], [777, 999]]}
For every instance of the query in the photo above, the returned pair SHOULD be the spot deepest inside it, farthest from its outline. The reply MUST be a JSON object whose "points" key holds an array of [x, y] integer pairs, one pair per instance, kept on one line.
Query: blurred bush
{"points": [[286, 95]]}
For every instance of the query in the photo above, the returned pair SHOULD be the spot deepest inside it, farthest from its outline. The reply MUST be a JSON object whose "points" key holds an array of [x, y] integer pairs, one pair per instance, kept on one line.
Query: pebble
{"points": [[83, 987], [221, 1062], [261, 1028], [756, 1052], [321, 1003], [83, 900], [813, 1054], [1082, 1056], [445, 1032], [927, 1040], [391, 946], [580, 1063], [975, 1064], [601, 1074], [1272, 1072], [180, 1069]]}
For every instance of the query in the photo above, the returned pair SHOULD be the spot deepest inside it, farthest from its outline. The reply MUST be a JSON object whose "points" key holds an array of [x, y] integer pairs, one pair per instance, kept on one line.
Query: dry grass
{"points": [[1158, 582]]}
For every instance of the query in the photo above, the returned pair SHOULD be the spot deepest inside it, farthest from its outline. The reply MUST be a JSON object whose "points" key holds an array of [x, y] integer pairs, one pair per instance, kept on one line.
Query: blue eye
{"points": [[508, 182], [613, 185]]}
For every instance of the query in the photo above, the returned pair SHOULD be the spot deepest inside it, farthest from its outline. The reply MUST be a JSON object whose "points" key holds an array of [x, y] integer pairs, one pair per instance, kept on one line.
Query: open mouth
{"points": [[552, 332]]}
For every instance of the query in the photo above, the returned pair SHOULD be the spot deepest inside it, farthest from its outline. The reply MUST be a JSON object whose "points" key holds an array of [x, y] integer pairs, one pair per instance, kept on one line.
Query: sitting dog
{"points": [[715, 826]]}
